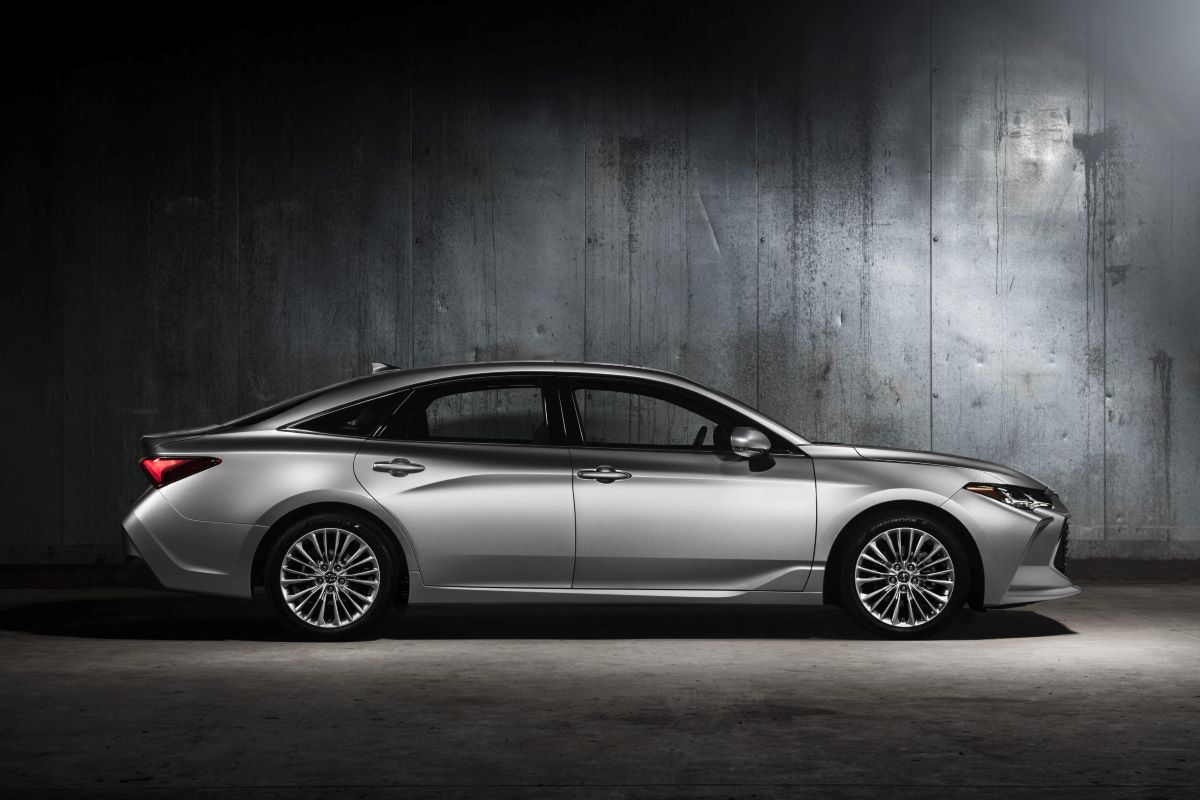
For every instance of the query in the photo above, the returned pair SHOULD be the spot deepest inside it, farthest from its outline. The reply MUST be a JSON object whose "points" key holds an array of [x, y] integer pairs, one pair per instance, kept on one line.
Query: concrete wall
{"points": [[970, 227]]}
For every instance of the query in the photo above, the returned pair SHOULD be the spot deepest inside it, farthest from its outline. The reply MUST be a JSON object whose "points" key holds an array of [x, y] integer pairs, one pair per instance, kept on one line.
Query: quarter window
{"points": [[502, 414], [360, 419]]}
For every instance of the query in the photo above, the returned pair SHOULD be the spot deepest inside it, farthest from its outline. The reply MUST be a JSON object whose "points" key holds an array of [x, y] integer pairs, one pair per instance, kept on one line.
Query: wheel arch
{"points": [[833, 563], [284, 522]]}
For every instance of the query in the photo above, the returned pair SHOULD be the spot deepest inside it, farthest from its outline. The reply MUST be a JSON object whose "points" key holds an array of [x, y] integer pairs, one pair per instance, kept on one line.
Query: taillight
{"points": [[162, 471]]}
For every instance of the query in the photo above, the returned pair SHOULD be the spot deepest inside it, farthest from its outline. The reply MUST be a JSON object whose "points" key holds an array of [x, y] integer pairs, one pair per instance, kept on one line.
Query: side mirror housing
{"points": [[748, 442]]}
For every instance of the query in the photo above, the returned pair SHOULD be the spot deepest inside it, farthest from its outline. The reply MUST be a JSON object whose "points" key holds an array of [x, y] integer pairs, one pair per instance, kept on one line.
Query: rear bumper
{"points": [[192, 556], [1021, 550]]}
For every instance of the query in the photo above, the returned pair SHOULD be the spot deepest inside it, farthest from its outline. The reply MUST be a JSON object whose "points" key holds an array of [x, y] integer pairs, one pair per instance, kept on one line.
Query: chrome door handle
{"points": [[398, 467], [604, 474]]}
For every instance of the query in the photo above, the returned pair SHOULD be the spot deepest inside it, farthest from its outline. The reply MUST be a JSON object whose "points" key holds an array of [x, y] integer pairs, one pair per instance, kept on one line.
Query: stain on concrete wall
{"points": [[970, 227]]}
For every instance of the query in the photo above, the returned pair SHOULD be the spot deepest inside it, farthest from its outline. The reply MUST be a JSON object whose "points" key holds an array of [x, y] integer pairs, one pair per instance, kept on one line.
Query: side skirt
{"points": [[420, 594]]}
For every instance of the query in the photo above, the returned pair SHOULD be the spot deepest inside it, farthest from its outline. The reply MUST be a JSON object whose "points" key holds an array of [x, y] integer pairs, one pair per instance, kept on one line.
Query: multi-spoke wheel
{"points": [[904, 576], [331, 577]]}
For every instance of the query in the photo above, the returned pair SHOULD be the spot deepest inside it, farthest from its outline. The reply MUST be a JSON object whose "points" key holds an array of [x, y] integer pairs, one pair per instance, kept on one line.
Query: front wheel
{"points": [[905, 576], [332, 577]]}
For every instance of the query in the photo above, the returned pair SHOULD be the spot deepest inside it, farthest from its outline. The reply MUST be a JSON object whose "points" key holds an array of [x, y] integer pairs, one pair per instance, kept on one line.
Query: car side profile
{"points": [[552, 482]]}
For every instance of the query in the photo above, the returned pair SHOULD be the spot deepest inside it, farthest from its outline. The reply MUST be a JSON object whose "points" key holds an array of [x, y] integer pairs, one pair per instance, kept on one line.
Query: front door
{"points": [[470, 472], [660, 505]]}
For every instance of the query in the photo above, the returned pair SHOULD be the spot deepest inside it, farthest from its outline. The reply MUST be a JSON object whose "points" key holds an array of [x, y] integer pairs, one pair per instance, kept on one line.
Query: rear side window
{"points": [[359, 420], [506, 413]]}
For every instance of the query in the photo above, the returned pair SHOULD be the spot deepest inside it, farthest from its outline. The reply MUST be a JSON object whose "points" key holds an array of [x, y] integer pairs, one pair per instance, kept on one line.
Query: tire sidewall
{"points": [[871, 528], [367, 626]]}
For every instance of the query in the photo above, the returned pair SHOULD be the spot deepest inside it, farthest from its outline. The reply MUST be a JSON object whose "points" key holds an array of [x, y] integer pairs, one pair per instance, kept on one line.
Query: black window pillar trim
{"points": [[572, 427], [552, 401]]}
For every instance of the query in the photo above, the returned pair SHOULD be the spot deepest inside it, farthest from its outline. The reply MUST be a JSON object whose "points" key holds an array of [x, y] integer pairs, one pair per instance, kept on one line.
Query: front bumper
{"points": [[189, 555], [1019, 549]]}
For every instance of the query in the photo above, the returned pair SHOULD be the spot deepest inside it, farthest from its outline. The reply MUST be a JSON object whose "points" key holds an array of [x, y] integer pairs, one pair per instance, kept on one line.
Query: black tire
{"points": [[912, 588], [323, 526]]}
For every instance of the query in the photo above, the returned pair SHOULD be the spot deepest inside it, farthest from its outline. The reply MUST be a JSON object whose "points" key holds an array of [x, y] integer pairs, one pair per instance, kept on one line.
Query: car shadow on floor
{"points": [[162, 616]]}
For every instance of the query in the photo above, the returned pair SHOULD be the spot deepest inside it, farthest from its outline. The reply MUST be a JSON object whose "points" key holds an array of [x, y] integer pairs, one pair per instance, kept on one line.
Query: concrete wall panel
{"points": [[1149, 207], [843, 215], [965, 226], [1016, 375]]}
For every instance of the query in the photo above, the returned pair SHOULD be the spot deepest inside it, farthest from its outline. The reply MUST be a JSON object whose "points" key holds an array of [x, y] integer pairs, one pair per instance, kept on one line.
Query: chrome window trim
{"points": [[542, 381], [567, 387], [348, 392]]}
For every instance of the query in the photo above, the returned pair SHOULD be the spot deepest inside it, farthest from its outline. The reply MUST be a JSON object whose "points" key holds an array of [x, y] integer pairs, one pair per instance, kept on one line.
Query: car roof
{"points": [[388, 379]]}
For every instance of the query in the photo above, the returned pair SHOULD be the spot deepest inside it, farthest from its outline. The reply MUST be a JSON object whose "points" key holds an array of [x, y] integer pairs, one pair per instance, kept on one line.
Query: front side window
{"points": [[620, 416], [512, 413]]}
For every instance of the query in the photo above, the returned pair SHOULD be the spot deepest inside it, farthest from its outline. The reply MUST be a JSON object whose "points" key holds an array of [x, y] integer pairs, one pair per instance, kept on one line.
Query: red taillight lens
{"points": [[162, 471]]}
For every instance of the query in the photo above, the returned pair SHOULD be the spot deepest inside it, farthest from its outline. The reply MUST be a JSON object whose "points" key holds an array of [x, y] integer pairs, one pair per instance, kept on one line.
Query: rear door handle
{"points": [[604, 474], [398, 467]]}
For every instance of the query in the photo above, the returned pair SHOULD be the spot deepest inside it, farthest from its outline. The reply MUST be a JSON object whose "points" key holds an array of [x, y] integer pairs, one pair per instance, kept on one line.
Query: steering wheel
{"points": [[700, 434]]}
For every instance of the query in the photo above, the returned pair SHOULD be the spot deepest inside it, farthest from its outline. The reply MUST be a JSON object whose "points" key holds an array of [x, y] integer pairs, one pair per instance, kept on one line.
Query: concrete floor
{"points": [[121, 693]]}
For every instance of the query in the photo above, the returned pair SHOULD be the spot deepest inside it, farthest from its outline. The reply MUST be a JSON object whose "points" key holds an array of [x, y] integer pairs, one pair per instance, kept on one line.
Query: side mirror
{"points": [[748, 442]]}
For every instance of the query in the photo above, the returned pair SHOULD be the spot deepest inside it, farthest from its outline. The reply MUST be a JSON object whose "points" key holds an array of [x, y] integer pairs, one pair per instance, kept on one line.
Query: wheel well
{"points": [[974, 561], [283, 523]]}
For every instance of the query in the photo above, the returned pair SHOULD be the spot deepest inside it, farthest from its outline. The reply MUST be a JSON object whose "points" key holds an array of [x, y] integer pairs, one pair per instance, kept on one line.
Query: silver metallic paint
{"points": [[747, 442], [693, 521], [480, 514], [484, 523], [1011, 539], [193, 556]]}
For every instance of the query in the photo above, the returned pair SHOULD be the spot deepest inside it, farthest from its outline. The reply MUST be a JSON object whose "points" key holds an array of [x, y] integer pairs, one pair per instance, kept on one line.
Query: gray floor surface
{"points": [[121, 693]]}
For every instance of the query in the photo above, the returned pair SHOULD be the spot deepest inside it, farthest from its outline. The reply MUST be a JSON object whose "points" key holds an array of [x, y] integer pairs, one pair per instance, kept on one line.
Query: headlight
{"points": [[1016, 496]]}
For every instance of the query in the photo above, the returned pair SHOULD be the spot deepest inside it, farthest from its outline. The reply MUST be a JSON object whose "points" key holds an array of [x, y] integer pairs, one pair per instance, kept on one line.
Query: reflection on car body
{"points": [[551, 482]]}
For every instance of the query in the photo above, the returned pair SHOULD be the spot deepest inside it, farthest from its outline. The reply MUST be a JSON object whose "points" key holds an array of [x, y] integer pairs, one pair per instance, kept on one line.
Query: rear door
{"points": [[477, 473], [659, 505]]}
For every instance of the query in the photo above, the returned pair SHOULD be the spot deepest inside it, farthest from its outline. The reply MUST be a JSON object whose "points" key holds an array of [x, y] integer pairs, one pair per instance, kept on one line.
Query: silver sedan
{"points": [[551, 482]]}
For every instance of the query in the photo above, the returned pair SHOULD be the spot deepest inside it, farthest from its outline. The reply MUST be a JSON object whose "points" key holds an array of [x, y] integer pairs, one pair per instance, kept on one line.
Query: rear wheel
{"points": [[332, 576], [905, 576]]}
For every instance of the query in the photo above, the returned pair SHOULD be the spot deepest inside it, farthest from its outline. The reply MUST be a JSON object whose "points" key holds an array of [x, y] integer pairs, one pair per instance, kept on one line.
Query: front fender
{"points": [[849, 487]]}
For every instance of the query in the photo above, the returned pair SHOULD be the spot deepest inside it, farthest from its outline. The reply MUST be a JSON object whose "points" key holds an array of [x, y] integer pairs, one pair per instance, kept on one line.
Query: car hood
{"points": [[1003, 474]]}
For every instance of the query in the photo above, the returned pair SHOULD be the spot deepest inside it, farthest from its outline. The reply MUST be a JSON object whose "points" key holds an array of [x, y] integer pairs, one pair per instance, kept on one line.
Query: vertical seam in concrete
{"points": [[237, 238], [491, 176], [1104, 269], [57, 192], [365, 341], [757, 242], [1000, 173], [584, 211], [1169, 520], [1001, 205], [693, 183], [408, 253], [929, 240]]}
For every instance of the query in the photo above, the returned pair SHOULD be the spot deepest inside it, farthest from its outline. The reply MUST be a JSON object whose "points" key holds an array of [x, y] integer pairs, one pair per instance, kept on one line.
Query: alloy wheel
{"points": [[904, 577], [329, 577]]}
